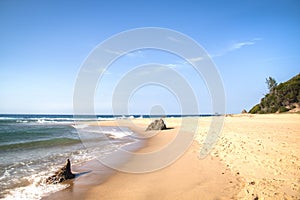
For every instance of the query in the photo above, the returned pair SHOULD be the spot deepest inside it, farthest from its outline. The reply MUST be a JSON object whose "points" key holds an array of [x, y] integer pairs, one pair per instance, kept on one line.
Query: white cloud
{"points": [[171, 65], [196, 59], [239, 45], [173, 39], [177, 64], [114, 52], [183, 63], [156, 69], [236, 46], [136, 54], [130, 54]]}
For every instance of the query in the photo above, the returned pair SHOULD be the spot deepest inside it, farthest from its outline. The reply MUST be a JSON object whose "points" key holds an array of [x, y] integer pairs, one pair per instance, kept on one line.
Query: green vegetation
{"points": [[281, 98], [255, 109], [271, 82]]}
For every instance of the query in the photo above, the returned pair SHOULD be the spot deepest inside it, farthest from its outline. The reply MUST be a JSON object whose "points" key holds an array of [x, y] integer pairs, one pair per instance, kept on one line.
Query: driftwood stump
{"points": [[61, 175]]}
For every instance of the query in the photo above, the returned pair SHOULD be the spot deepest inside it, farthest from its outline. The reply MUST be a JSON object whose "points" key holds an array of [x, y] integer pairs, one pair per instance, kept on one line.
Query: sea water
{"points": [[33, 147]]}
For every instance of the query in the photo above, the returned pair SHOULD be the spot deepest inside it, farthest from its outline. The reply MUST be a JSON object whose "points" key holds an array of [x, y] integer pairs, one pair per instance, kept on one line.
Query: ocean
{"points": [[32, 147]]}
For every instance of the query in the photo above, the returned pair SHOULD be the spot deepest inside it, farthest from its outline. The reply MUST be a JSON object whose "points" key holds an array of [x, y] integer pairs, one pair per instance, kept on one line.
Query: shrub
{"points": [[283, 109], [255, 109], [279, 97]]}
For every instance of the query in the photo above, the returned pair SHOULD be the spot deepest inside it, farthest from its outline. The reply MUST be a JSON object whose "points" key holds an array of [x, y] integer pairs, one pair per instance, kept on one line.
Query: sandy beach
{"points": [[256, 156]]}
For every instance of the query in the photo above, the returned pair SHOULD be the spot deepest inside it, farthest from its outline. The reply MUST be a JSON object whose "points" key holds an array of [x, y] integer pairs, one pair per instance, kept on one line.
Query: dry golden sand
{"points": [[188, 178], [264, 150], [255, 156]]}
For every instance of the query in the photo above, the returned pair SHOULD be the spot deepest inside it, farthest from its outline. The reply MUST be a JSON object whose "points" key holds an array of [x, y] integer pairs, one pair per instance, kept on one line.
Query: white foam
{"points": [[41, 121], [106, 118], [111, 132], [5, 175], [80, 126], [6, 118], [36, 190], [22, 121], [117, 134]]}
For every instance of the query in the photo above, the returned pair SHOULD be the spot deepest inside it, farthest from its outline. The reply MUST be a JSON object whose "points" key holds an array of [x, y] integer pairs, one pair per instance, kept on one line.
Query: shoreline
{"points": [[202, 170], [90, 173], [256, 156]]}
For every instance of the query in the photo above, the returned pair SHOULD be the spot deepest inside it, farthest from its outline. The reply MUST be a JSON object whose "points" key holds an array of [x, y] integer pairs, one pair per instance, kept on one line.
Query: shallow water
{"points": [[34, 147]]}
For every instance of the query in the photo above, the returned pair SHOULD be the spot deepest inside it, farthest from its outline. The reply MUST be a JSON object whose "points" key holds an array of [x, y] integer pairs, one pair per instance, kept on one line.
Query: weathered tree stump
{"points": [[61, 175]]}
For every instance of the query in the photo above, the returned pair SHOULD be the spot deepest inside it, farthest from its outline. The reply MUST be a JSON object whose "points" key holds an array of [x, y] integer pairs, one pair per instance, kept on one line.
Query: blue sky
{"points": [[44, 43]]}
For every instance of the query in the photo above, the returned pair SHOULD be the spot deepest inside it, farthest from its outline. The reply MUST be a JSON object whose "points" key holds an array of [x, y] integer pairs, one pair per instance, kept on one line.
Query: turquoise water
{"points": [[34, 146]]}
